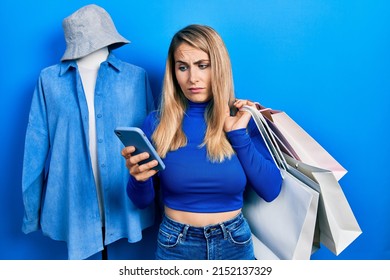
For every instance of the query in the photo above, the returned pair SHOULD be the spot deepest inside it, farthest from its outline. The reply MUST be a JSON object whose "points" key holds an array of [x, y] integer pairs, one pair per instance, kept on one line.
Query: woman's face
{"points": [[193, 73]]}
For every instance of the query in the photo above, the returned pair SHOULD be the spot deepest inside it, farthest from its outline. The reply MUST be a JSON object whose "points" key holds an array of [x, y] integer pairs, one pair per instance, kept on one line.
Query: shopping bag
{"points": [[337, 225], [262, 252], [285, 226], [297, 143], [294, 211]]}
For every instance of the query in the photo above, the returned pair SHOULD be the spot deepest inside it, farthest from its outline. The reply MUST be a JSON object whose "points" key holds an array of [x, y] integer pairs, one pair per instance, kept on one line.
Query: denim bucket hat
{"points": [[89, 29]]}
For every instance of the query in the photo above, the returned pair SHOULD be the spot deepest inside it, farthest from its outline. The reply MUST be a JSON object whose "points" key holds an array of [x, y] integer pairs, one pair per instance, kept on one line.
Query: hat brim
{"points": [[78, 51]]}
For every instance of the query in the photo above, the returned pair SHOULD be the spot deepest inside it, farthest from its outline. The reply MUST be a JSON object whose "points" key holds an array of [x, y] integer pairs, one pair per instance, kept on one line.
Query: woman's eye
{"points": [[182, 68], [203, 66]]}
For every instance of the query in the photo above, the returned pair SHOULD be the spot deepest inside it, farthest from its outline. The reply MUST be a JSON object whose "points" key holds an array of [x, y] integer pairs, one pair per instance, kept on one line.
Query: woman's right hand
{"points": [[140, 172]]}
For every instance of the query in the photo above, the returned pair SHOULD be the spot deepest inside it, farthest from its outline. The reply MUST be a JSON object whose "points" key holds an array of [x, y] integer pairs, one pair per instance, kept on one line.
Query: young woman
{"points": [[211, 154]]}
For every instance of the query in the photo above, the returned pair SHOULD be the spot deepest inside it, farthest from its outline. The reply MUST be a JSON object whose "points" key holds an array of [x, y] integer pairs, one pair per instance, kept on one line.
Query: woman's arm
{"points": [[140, 187], [260, 169], [141, 193]]}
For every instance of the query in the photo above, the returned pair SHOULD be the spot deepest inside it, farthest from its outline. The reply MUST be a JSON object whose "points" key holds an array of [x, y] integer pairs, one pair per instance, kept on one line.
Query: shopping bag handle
{"points": [[267, 135]]}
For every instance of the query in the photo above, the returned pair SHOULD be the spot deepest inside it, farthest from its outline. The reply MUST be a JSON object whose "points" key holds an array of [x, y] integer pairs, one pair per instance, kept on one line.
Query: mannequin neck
{"points": [[93, 60]]}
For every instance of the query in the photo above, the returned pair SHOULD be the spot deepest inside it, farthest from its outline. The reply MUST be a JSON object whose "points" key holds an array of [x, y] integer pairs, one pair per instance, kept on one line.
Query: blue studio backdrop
{"points": [[325, 62]]}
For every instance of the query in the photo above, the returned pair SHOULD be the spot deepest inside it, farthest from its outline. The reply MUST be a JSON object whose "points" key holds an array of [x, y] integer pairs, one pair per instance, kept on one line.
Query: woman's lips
{"points": [[195, 89]]}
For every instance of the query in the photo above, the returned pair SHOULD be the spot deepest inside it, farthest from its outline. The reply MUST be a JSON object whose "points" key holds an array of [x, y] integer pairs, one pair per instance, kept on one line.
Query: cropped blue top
{"points": [[191, 182]]}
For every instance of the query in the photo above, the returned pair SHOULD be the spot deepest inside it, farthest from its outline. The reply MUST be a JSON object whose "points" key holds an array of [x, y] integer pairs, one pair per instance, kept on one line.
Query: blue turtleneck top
{"points": [[191, 182]]}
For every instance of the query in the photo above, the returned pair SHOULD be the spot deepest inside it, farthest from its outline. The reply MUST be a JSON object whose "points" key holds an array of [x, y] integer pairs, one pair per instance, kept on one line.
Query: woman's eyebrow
{"points": [[180, 61], [201, 61], [196, 62]]}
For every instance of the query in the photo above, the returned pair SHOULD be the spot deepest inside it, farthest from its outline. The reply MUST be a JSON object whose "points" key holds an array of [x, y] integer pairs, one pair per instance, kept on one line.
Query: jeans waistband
{"points": [[207, 231]]}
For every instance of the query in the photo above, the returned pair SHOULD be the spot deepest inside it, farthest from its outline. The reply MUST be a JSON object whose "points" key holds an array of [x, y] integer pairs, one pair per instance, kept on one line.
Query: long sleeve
{"points": [[262, 173], [151, 100], [35, 156], [141, 193]]}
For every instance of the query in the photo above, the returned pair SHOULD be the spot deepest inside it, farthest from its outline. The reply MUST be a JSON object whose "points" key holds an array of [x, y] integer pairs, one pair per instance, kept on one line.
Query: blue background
{"points": [[325, 62]]}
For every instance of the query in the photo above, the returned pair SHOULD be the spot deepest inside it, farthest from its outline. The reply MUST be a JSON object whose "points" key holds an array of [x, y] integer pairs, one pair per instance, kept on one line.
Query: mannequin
{"points": [[74, 181], [88, 67]]}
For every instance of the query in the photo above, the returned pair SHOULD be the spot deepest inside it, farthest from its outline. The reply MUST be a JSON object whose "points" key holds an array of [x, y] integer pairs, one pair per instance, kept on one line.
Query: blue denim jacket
{"points": [[59, 191]]}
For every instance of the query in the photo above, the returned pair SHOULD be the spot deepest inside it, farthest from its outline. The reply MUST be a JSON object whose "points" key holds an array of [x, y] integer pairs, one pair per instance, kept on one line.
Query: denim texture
{"points": [[230, 240], [59, 192]]}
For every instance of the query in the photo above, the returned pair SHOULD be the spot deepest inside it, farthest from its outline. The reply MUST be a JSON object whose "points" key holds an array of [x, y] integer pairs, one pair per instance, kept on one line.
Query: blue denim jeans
{"points": [[229, 240]]}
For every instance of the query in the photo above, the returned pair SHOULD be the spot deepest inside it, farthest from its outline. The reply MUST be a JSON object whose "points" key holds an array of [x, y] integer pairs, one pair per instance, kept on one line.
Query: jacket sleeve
{"points": [[36, 152], [261, 171], [151, 100]]}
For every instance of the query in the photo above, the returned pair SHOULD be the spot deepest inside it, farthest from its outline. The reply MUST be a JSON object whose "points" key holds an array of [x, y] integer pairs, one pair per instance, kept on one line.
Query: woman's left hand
{"points": [[241, 119]]}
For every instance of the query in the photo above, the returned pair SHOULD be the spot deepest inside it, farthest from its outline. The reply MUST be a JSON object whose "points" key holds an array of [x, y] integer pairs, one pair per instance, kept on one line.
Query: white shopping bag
{"points": [[286, 224], [302, 145], [283, 228], [338, 227]]}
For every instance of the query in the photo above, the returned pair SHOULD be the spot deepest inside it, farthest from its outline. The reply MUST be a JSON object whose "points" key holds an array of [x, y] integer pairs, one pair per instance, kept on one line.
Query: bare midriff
{"points": [[200, 219]]}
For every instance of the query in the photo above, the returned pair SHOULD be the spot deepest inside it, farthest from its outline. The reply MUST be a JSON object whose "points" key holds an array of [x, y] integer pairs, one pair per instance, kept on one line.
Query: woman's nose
{"points": [[193, 76]]}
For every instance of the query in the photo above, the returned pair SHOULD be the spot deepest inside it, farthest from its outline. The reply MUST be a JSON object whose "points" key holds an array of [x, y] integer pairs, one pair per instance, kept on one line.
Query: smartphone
{"points": [[134, 136]]}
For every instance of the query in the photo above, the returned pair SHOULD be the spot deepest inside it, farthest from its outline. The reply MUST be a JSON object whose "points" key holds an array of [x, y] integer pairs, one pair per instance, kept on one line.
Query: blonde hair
{"points": [[169, 135]]}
